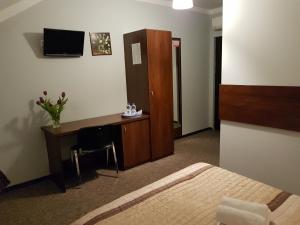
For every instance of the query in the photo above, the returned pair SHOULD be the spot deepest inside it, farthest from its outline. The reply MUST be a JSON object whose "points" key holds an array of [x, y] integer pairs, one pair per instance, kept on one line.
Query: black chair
{"points": [[3, 181], [92, 139]]}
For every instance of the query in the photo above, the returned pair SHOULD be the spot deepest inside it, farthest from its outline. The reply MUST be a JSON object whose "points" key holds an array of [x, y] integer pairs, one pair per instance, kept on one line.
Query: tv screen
{"points": [[63, 42]]}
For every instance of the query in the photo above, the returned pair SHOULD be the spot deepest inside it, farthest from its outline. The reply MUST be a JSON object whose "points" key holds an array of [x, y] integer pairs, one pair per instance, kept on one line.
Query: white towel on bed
{"points": [[260, 209], [232, 216]]}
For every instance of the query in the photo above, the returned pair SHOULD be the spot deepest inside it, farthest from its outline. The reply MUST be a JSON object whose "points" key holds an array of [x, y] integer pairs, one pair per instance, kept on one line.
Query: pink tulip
{"points": [[42, 100]]}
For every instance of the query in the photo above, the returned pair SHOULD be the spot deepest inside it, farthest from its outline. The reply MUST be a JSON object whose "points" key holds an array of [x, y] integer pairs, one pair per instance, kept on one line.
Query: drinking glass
{"points": [[133, 109], [128, 109]]}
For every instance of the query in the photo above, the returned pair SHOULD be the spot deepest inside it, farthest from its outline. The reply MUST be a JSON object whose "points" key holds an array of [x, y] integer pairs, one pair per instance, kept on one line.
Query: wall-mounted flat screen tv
{"points": [[63, 42]]}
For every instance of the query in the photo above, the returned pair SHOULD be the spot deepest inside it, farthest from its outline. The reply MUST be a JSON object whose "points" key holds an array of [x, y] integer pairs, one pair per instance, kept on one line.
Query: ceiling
{"points": [[206, 4], [200, 4], [5, 3]]}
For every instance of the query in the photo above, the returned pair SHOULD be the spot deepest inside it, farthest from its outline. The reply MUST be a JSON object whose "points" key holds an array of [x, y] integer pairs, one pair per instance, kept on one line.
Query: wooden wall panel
{"points": [[270, 106]]}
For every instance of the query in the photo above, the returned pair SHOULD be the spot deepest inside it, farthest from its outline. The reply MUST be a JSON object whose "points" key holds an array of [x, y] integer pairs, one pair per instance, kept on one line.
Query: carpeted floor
{"points": [[42, 204]]}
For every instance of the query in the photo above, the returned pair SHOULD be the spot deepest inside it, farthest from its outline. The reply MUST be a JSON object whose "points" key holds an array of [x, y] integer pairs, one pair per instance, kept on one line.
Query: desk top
{"points": [[73, 127]]}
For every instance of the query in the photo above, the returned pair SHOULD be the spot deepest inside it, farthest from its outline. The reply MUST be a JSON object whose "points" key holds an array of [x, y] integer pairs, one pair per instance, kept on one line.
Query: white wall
{"points": [[95, 85], [216, 22], [261, 47]]}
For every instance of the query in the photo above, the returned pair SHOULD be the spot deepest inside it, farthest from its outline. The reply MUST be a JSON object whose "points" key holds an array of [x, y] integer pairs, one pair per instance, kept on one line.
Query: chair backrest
{"points": [[95, 137]]}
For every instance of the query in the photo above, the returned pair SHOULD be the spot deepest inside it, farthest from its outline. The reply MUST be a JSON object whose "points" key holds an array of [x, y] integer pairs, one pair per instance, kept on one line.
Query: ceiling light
{"points": [[182, 4]]}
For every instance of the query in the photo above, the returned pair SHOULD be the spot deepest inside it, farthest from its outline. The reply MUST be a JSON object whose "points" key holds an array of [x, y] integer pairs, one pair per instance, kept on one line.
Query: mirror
{"points": [[177, 111]]}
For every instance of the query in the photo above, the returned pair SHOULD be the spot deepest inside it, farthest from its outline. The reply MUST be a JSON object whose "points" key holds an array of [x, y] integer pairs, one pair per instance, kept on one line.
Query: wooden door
{"points": [[159, 45], [136, 143]]}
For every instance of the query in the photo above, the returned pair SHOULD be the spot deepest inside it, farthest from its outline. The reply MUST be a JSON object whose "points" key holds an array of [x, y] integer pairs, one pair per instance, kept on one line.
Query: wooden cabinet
{"points": [[136, 143], [148, 60]]}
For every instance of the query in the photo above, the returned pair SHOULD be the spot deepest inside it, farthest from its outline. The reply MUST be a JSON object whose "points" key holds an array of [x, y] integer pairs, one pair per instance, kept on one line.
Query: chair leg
{"points": [[107, 156], [77, 163], [115, 157], [72, 157]]}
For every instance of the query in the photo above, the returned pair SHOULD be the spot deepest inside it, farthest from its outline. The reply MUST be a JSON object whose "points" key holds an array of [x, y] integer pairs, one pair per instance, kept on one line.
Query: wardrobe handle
{"points": [[152, 93], [124, 129]]}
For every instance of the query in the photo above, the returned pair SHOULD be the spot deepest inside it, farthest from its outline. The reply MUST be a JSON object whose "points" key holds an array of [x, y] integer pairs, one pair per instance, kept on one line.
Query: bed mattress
{"points": [[191, 196]]}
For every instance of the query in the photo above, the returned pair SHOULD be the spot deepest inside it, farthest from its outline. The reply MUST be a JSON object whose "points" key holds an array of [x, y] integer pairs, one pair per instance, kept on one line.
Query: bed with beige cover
{"points": [[191, 196]]}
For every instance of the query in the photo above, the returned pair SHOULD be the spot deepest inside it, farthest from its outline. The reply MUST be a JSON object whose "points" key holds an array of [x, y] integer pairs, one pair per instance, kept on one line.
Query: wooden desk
{"points": [[133, 147]]}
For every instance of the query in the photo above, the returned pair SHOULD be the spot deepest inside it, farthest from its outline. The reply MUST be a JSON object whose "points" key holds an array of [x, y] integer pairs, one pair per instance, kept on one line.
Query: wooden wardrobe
{"points": [[148, 61]]}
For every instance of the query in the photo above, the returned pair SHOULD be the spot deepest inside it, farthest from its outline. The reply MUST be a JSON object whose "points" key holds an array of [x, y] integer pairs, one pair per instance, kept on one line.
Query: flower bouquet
{"points": [[54, 109]]}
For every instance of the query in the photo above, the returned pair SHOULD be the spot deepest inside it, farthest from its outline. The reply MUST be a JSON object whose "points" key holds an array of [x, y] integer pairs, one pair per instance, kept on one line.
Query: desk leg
{"points": [[55, 161]]}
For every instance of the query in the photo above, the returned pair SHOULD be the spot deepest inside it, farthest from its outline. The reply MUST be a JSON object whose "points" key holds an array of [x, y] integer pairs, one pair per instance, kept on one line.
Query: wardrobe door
{"points": [[159, 45]]}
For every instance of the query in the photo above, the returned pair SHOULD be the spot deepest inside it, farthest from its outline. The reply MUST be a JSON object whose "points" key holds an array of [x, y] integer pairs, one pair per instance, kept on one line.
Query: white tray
{"points": [[137, 114]]}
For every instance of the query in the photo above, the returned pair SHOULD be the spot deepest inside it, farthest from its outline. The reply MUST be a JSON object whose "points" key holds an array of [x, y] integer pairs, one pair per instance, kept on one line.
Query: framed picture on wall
{"points": [[100, 44]]}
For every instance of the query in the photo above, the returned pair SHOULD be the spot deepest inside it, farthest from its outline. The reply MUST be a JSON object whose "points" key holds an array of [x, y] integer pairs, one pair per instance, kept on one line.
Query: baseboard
{"points": [[25, 184], [196, 132]]}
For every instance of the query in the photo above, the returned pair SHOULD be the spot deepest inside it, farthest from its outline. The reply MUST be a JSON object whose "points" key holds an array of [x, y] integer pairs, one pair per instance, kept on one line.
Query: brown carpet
{"points": [[42, 204]]}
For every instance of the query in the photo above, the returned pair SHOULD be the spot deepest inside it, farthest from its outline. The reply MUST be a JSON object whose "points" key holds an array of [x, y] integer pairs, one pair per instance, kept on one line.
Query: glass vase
{"points": [[55, 123]]}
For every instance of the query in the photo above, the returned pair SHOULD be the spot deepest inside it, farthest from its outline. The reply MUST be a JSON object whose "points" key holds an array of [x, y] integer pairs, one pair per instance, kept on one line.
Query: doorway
{"points": [[218, 78], [177, 106]]}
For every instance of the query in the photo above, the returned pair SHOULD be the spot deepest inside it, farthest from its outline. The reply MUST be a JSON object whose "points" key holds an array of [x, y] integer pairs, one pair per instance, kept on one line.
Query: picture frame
{"points": [[100, 43]]}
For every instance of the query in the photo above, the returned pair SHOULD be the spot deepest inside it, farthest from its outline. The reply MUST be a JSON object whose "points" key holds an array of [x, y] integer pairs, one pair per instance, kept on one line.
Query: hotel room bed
{"points": [[191, 196]]}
